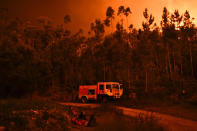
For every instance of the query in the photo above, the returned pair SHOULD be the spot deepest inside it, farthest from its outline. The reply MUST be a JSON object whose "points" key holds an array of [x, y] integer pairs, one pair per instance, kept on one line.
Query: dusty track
{"points": [[81, 105], [171, 122]]}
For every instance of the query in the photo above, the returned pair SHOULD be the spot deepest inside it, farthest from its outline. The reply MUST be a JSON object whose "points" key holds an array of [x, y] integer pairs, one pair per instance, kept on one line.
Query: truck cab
{"points": [[110, 89]]}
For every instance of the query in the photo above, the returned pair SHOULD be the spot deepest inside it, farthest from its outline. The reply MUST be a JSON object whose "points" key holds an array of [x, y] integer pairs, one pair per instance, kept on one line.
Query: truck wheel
{"points": [[84, 99]]}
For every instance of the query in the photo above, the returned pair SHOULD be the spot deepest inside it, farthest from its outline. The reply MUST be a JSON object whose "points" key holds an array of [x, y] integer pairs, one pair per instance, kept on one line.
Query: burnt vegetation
{"points": [[153, 61]]}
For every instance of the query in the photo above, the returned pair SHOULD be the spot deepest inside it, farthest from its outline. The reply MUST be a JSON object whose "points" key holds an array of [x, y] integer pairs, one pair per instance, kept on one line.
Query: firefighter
{"points": [[78, 118]]}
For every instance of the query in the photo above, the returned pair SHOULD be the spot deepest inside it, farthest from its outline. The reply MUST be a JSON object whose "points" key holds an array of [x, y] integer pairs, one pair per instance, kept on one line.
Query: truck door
{"points": [[109, 89], [101, 89]]}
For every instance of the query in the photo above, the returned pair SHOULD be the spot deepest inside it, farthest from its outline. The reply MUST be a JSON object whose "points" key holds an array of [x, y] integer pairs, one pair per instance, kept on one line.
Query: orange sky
{"points": [[83, 12]]}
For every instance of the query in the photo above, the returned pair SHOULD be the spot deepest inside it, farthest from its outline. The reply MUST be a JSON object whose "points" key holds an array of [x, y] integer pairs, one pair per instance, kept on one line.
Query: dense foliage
{"points": [[154, 60]]}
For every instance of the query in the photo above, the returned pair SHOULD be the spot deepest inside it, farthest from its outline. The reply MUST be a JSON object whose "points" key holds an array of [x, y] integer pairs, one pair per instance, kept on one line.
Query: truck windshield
{"points": [[121, 86], [108, 87], [115, 86]]}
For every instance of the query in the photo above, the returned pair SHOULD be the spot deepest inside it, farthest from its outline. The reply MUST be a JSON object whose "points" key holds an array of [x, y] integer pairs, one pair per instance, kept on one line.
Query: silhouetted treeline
{"points": [[160, 61]]}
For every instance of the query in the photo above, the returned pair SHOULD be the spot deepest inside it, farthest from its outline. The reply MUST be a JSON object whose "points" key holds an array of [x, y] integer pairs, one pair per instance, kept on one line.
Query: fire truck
{"points": [[100, 92]]}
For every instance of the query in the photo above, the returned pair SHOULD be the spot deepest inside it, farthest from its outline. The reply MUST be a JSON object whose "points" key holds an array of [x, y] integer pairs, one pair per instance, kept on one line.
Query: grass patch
{"points": [[32, 115]]}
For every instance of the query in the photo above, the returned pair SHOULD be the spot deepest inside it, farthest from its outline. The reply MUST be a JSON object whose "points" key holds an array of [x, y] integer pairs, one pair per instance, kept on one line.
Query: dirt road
{"points": [[81, 105], [171, 122]]}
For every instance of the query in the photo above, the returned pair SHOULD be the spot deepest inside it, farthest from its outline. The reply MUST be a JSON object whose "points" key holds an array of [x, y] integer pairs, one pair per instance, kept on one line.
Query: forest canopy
{"points": [[160, 60]]}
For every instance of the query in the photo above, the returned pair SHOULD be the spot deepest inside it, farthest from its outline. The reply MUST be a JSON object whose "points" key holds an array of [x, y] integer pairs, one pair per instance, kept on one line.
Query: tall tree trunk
{"points": [[166, 65], [146, 89], [191, 60], [174, 61], [129, 78], [170, 67]]}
